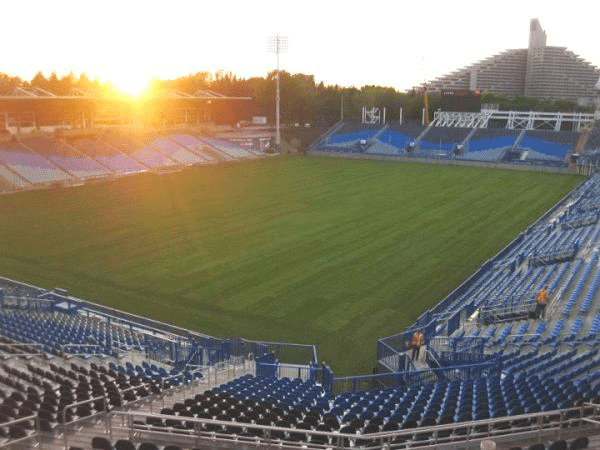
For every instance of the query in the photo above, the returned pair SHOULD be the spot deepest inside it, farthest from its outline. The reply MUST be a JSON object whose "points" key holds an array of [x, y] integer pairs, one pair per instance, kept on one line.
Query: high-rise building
{"points": [[538, 71]]}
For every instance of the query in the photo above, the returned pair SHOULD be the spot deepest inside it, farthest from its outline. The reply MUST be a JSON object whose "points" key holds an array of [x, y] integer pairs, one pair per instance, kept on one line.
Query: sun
{"points": [[131, 84]]}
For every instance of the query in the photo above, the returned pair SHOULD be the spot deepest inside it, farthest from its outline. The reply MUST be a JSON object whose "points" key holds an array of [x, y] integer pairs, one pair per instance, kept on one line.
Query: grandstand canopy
{"points": [[38, 107]]}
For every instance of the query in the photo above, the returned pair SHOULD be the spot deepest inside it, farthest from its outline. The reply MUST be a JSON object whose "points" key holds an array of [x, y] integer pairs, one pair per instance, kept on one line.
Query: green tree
{"points": [[229, 84], [8, 84], [39, 80]]}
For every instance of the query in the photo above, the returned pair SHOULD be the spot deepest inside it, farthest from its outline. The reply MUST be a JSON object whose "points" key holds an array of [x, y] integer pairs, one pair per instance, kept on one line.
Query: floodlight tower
{"points": [[277, 44]]}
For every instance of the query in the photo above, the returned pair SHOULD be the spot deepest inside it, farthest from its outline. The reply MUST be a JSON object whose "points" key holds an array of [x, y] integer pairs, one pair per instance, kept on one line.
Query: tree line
{"points": [[303, 99]]}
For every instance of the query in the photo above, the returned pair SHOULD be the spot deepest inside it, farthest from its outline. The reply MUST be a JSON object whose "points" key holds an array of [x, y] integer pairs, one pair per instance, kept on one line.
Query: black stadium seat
{"points": [[124, 444], [558, 445], [101, 443], [17, 432], [538, 446], [147, 446], [579, 443]]}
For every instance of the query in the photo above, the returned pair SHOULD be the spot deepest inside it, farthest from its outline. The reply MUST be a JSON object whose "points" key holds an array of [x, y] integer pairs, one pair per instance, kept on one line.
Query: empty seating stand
{"points": [[444, 138], [176, 152], [66, 157], [228, 148], [30, 166], [10, 180], [489, 138], [109, 157], [549, 143]]}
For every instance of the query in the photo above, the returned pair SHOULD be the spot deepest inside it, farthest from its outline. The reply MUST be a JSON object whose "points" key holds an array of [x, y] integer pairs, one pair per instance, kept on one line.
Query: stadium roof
{"points": [[36, 93]]}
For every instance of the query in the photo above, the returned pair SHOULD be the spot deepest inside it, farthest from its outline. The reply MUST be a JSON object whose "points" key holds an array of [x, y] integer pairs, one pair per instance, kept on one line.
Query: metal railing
{"points": [[193, 432], [30, 433], [432, 358], [391, 358], [292, 371], [447, 162], [284, 351], [501, 313], [458, 351], [413, 376], [551, 256]]}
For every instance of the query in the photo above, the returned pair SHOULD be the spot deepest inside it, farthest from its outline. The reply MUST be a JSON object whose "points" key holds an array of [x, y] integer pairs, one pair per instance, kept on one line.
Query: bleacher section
{"points": [[57, 392], [66, 157], [120, 142], [44, 160], [493, 145], [381, 148], [489, 155], [390, 140], [396, 138], [107, 156], [186, 140], [201, 149], [411, 129], [345, 137], [5, 186], [152, 158], [30, 166], [589, 156], [144, 154], [516, 147], [53, 331], [176, 152], [593, 142], [491, 138], [549, 144], [10, 180], [351, 132], [442, 138], [230, 149]]}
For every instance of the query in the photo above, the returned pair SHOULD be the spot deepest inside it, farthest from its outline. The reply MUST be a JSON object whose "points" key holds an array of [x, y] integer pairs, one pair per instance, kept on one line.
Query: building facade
{"points": [[538, 71]]}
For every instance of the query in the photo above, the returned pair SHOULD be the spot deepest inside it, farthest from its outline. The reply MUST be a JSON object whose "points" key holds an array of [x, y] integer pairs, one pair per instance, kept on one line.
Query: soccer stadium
{"points": [[187, 282]]}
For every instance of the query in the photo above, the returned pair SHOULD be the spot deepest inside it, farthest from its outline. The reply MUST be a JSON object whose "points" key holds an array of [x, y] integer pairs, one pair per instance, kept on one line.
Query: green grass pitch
{"points": [[323, 251]]}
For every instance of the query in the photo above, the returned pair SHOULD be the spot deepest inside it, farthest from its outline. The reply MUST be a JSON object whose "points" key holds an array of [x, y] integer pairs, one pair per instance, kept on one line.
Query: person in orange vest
{"points": [[417, 341], [541, 299]]}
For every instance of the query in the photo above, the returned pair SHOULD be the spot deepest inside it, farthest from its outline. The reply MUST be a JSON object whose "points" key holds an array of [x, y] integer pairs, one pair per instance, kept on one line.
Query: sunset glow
{"points": [[131, 85], [144, 41]]}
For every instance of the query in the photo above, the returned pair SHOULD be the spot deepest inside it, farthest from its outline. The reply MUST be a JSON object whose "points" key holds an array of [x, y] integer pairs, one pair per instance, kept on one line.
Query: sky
{"points": [[394, 43]]}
